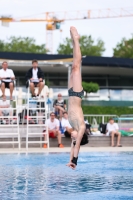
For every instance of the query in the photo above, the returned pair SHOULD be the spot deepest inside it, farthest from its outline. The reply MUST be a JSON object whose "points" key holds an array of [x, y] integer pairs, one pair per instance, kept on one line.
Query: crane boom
{"points": [[75, 15], [53, 19]]}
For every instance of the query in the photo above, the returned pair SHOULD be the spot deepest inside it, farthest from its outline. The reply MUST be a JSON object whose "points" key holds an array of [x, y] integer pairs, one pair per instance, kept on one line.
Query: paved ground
{"points": [[67, 149]]}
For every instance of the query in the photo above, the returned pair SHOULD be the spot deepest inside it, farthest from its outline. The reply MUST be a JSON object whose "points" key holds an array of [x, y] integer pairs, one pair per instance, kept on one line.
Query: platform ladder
{"points": [[9, 126], [36, 117]]}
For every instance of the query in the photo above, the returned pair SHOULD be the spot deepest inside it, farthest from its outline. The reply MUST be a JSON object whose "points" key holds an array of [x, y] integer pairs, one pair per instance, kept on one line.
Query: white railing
{"points": [[100, 118], [126, 122], [10, 127], [36, 118], [35, 124]]}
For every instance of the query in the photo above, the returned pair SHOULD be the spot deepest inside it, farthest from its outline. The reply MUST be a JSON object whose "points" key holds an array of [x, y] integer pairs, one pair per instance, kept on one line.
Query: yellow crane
{"points": [[54, 19]]}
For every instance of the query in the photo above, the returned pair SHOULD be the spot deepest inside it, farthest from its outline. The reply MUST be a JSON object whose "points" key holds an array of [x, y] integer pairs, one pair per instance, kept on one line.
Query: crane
{"points": [[54, 19]]}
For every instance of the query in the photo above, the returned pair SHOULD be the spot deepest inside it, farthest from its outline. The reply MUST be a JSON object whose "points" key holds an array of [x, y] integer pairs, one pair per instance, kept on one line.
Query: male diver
{"points": [[75, 91]]}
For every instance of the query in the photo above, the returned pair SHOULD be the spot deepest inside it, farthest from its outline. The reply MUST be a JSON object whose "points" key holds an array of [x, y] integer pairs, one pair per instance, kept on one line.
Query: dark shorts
{"points": [[67, 134], [36, 83], [83, 141], [7, 84]]}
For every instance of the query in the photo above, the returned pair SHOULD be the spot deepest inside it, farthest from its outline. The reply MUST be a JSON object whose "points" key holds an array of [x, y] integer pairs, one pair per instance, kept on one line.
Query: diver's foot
{"points": [[74, 34]]}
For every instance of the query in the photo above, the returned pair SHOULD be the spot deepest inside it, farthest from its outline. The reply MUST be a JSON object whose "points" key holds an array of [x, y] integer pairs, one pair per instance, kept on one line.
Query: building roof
{"points": [[86, 60], [107, 61], [32, 56]]}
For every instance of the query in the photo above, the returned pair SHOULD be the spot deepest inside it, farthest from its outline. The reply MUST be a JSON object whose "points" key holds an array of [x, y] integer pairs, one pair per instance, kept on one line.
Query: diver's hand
{"points": [[71, 165]]}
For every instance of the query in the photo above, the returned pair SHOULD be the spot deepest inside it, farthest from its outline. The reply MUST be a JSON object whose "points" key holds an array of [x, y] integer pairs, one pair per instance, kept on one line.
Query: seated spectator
{"points": [[59, 105], [6, 76], [36, 76], [44, 93], [43, 104], [65, 126], [5, 112], [69, 132], [88, 127], [112, 130], [53, 129]]}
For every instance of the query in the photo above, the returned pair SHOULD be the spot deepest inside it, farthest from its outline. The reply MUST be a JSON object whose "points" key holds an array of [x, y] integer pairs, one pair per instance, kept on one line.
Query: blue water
{"points": [[99, 176]]}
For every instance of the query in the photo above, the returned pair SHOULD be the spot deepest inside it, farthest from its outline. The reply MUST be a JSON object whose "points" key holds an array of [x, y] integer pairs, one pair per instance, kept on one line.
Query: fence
{"points": [[9, 128], [126, 122], [100, 118], [36, 123]]}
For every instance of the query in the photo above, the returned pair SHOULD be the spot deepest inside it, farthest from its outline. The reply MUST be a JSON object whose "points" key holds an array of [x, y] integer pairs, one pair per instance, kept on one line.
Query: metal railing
{"points": [[100, 118], [36, 118], [9, 127], [125, 122]]}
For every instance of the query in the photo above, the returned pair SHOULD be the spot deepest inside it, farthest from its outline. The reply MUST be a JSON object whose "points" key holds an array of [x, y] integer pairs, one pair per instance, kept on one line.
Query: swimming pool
{"points": [[99, 176]]}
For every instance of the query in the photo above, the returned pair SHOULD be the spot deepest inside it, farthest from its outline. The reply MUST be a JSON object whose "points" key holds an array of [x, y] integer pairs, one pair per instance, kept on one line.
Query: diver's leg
{"points": [[76, 71], [70, 81]]}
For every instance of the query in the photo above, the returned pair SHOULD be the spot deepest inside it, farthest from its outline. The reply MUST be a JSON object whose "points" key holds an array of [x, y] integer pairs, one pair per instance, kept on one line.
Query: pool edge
{"points": [[67, 149]]}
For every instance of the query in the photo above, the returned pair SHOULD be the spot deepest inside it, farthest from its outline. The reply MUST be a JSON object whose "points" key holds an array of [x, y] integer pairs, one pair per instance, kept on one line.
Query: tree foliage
{"points": [[87, 45], [1, 45], [124, 49], [107, 110], [90, 87], [22, 44]]}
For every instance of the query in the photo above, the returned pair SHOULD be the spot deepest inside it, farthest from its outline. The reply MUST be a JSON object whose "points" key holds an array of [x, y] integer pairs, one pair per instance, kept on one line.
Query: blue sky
{"points": [[111, 31]]}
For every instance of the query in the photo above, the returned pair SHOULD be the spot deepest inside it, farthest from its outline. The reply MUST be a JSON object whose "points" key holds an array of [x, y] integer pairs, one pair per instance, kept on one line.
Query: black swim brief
{"points": [[76, 94]]}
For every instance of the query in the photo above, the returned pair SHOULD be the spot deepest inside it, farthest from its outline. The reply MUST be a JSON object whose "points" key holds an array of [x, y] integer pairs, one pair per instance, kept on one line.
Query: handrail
{"points": [[100, 118]]}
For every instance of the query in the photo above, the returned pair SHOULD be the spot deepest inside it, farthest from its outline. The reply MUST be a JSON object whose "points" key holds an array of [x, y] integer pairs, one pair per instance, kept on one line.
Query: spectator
{"points": [[36, 76], [87, 127], [53, 129], [4, 112], [112, 130], [42, 104], [6, 76], [67, 129], [65, 126], [45, 92], [59, 105]]}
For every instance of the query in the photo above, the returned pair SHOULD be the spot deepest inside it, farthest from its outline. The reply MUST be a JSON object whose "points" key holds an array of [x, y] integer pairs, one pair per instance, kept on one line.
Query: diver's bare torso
{"points": [[75, 113]]}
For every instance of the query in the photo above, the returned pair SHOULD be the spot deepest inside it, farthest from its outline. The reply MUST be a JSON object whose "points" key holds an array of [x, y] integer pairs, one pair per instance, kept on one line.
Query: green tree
{"points": [[47, 82], [1, 45], [124, 49], [22, 44], [90, 87], [87, 45]]}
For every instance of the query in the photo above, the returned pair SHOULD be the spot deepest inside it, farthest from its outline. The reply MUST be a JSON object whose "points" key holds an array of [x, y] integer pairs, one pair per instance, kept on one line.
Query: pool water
{"points": [[99, 176]]}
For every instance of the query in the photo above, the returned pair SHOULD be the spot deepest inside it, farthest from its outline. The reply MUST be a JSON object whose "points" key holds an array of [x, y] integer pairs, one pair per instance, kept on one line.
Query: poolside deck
{"points": [[96, 144], [94, 141], [66, 150]]}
